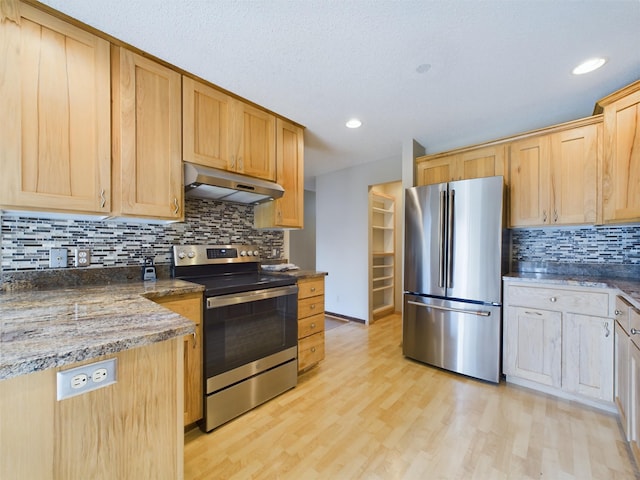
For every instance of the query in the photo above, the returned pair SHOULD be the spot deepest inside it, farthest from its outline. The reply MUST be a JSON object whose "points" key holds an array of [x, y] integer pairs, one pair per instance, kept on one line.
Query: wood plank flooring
{"points": [[366, 412]]}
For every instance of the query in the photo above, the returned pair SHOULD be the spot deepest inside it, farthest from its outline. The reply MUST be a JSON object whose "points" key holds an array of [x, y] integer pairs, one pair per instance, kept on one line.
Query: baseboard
{"points": [[345, 317]]}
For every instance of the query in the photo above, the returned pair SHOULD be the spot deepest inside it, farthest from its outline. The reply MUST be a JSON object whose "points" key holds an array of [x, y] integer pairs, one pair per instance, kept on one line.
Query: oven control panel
{"points": [[186, 255]]}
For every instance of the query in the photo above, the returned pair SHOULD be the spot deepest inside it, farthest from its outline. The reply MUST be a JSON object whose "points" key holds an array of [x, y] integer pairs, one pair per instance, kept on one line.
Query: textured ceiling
{"points": [[497, 67]]}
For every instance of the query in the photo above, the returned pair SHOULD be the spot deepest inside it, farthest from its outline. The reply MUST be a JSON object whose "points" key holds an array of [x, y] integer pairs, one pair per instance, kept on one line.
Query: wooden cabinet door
{"points": [[287, 211], [253, 140], [621, 385], [190, 306], [634, 400], [147, 152], [439, 170], [205, 125], [534, 345], [587, 353], [481, 162], [574, 157], [290, 174], [621, 162], [55, 134], [529, 182]]}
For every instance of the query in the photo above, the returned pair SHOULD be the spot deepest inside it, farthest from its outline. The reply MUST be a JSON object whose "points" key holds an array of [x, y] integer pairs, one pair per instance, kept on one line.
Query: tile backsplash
{"points": [[593, 245], [26, 240]]}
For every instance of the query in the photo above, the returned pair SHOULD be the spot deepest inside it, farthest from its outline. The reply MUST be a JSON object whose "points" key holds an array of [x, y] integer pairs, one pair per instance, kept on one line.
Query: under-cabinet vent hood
{"points": [[214, 184]]}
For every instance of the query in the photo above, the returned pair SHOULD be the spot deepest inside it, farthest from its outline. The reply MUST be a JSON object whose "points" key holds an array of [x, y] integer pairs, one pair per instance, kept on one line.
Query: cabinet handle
{"points": [[533, 313], [233, 162], [176, 205], [103, 199], [607, 332], [553, 299], [544, 216], [617, 312], [195, 339], [634, 331], [240, 166], [555, 216]]}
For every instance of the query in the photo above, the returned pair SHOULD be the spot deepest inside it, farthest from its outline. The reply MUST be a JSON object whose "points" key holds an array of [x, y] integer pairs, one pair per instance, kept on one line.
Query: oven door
{"points": [[246, 333]]}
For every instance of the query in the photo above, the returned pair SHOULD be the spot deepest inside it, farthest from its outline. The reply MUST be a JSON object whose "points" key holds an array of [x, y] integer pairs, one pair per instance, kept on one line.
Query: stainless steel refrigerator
{"points": [[453, 266]]}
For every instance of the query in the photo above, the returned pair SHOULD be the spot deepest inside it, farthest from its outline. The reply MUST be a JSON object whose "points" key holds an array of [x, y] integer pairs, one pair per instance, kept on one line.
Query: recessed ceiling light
{"points": [[353, 123], [589, 66]]}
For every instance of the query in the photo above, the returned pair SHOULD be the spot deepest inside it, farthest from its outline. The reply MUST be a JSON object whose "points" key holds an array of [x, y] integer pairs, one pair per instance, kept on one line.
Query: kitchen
{"points": [[119, 251]]}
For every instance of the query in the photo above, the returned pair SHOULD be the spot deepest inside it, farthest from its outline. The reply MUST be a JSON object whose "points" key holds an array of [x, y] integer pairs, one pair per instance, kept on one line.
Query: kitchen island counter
{"points": [[42, 329]]}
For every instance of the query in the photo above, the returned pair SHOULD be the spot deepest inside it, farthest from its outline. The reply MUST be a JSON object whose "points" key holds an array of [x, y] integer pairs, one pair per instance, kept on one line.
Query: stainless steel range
{"points": [[250, 328]]}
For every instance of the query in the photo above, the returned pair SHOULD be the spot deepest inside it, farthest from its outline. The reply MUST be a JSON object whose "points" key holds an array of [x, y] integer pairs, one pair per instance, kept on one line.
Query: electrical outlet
{"points": [[83, 257], [86, 378], [57, 258]]}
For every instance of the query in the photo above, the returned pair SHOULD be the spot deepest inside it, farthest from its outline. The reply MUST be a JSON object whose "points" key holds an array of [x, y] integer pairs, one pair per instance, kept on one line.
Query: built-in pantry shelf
{"points": [[381, 254]]}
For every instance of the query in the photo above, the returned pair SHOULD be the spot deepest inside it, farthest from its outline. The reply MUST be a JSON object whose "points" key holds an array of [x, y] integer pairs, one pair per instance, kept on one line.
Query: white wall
{"points": [[342, 233], [302, 243]]}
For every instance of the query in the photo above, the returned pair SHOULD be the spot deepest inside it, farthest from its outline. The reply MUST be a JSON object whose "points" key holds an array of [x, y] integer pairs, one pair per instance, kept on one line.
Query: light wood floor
{"points": [[367, 412]]}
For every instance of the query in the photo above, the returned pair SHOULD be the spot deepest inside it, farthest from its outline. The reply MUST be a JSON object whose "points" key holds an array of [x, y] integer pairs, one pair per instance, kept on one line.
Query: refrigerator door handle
{"points": [[441, 240], [452, 197], [480, 313]]}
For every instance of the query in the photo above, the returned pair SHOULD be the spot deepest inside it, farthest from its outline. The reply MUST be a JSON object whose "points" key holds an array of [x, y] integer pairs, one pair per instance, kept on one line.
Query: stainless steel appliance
{"points": [[250, 328], [453, 265]]}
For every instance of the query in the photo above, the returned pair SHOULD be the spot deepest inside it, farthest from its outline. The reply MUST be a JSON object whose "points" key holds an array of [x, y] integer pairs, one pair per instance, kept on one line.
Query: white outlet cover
{"points": [[98, 375]]}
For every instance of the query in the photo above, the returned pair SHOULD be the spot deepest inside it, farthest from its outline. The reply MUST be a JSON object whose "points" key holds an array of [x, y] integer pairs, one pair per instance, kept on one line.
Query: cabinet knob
{"points": [[313, 289], [635, 331], [553, 299], [313, 307], [313, 325], [617, 312], [313, 349]]}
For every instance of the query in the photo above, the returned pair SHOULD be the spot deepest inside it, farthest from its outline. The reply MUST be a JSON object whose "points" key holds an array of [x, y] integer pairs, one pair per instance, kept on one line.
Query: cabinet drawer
{"points": [[310, 287], [588, 303], [310, 306], [634, 325], [310, 350], [622, 313], [310, 325]]}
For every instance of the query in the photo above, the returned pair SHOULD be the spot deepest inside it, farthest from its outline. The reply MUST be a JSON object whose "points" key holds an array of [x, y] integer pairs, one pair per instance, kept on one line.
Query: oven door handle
{"points": [[253, 296]]}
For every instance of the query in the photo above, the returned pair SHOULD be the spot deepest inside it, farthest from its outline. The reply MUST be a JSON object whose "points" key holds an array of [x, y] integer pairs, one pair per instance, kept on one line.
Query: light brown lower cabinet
{"points": [[190, 306], [131, 429], [310, 322]]}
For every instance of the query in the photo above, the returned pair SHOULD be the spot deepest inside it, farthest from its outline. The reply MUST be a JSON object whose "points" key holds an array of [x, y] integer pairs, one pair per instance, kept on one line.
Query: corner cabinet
{"points": [[310, 322], [146, 116], [55, 135], [220, 131], [287, 211], [190, 306], [382, 213], [621, 161], [560, 340], [552, 177]]}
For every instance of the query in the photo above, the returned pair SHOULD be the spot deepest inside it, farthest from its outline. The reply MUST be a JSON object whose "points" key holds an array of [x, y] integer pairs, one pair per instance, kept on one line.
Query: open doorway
{"points": [[385, 249]]}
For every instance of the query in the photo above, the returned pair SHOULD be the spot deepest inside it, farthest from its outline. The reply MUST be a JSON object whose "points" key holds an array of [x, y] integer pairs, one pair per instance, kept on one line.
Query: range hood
{"points": [[214, 184]]}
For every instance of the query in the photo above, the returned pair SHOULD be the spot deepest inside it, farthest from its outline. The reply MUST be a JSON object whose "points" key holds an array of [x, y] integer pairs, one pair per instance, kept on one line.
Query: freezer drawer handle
{"points": [[480, 313]]}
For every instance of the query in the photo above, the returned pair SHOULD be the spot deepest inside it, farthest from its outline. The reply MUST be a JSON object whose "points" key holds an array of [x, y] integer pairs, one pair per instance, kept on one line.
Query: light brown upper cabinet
{"points": [[552, 177], [287, 211], [147, 163], [222, 132], [461, 165], [55, 134], [621, 160]]}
